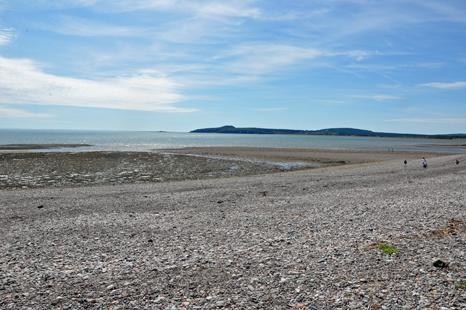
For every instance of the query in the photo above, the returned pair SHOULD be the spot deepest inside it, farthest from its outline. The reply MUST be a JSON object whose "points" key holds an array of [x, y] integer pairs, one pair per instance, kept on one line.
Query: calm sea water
{"points": [[145, 141]]}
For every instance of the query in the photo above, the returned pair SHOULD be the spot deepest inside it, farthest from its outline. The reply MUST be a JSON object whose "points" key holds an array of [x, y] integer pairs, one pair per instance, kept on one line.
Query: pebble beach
{"points": [[182, 229]]}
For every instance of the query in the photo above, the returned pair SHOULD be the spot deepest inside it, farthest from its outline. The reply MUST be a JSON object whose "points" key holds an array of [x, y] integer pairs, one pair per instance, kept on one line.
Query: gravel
{"points": [[303, 239]]}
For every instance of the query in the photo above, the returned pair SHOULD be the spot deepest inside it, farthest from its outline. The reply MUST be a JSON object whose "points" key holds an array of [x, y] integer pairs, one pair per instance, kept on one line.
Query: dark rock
{"points": [[439, 263]]}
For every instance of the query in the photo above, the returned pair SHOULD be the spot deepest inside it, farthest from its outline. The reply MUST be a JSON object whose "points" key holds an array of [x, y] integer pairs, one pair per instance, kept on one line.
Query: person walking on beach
{"points": [[457, 161], [424, 162], [406, 163]]}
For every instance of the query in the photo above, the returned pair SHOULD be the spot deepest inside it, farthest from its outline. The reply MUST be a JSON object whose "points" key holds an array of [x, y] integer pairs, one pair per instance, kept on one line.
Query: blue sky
{"points": [[392, 66]]}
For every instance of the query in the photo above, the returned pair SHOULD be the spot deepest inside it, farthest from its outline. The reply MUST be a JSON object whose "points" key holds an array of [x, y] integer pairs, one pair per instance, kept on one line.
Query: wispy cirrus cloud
{"points": [[266, 58], [16, 113], [222, 8], [6, 35], [377, 97], [454, 85], [445, 10], [185, 21], [23, 82], [376, 72], [429, 120], [206, 8], [75, 26]]}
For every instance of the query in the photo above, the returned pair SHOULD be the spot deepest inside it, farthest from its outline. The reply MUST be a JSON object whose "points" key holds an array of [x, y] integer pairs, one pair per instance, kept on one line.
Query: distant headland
{"points": [[324, 132]]}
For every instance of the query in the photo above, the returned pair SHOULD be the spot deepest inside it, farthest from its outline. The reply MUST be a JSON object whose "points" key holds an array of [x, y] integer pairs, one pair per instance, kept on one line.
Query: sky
{"points": [[387, 66]]}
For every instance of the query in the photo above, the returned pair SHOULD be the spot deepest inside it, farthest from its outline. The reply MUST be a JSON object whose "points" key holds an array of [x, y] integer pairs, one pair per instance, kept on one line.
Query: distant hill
{"points": [[323, 132]]}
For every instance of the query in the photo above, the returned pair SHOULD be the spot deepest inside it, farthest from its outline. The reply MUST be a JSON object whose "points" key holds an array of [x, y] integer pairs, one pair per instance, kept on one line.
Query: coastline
{"points": [[25, 170], [324, 156], [23, 147], [301, 239]]}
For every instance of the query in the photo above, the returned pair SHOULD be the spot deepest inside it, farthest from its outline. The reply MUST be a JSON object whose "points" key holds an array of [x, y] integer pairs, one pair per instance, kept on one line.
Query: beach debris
{"points": [[40, 207], [437, 262]]}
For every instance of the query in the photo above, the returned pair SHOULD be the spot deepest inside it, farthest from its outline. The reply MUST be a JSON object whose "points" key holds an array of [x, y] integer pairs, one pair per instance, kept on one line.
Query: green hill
{"points": [[323, 132]]}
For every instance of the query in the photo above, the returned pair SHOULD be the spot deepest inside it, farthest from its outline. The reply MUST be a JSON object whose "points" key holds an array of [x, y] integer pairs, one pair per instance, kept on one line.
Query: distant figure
{"points": [[406, 163], [424, 162], [457, 161]]}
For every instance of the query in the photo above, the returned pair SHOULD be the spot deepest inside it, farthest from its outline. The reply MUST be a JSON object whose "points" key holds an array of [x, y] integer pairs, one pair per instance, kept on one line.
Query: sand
{"points": [[297, 239]]}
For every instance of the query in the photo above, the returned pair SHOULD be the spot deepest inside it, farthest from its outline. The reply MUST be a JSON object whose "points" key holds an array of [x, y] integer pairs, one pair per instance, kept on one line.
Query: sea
{"points": [[150, 140]]}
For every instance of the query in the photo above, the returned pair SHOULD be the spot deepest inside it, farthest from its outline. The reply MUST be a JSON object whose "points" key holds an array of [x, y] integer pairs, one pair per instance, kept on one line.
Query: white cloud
{"points": [[454, 85], [429, 120], [183, 21], [22, 82], [15, 113], [378, 97], [6, 35], [88, 28], [209, 8], [432, 65], [261, 59], [358, 55], [446, 11], [235, 9], [376, 72]]}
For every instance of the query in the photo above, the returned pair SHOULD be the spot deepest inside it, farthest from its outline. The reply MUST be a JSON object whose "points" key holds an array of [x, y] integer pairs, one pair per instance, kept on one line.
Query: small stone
{"points": [[159, 300], [40, 207], [300, 306], [186, 304]]}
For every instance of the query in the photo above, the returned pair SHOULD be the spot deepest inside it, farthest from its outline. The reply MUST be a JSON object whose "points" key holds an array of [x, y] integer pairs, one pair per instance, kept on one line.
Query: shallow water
{"points": [[145, 141]]}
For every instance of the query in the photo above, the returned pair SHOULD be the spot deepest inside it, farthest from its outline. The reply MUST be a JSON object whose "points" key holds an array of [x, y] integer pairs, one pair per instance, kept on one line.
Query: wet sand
{"points": [[19, 147], [21, 170]]}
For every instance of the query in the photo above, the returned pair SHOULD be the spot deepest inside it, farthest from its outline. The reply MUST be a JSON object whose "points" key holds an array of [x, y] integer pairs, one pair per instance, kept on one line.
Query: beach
{"points": [[25, 170], [304, 233]]}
